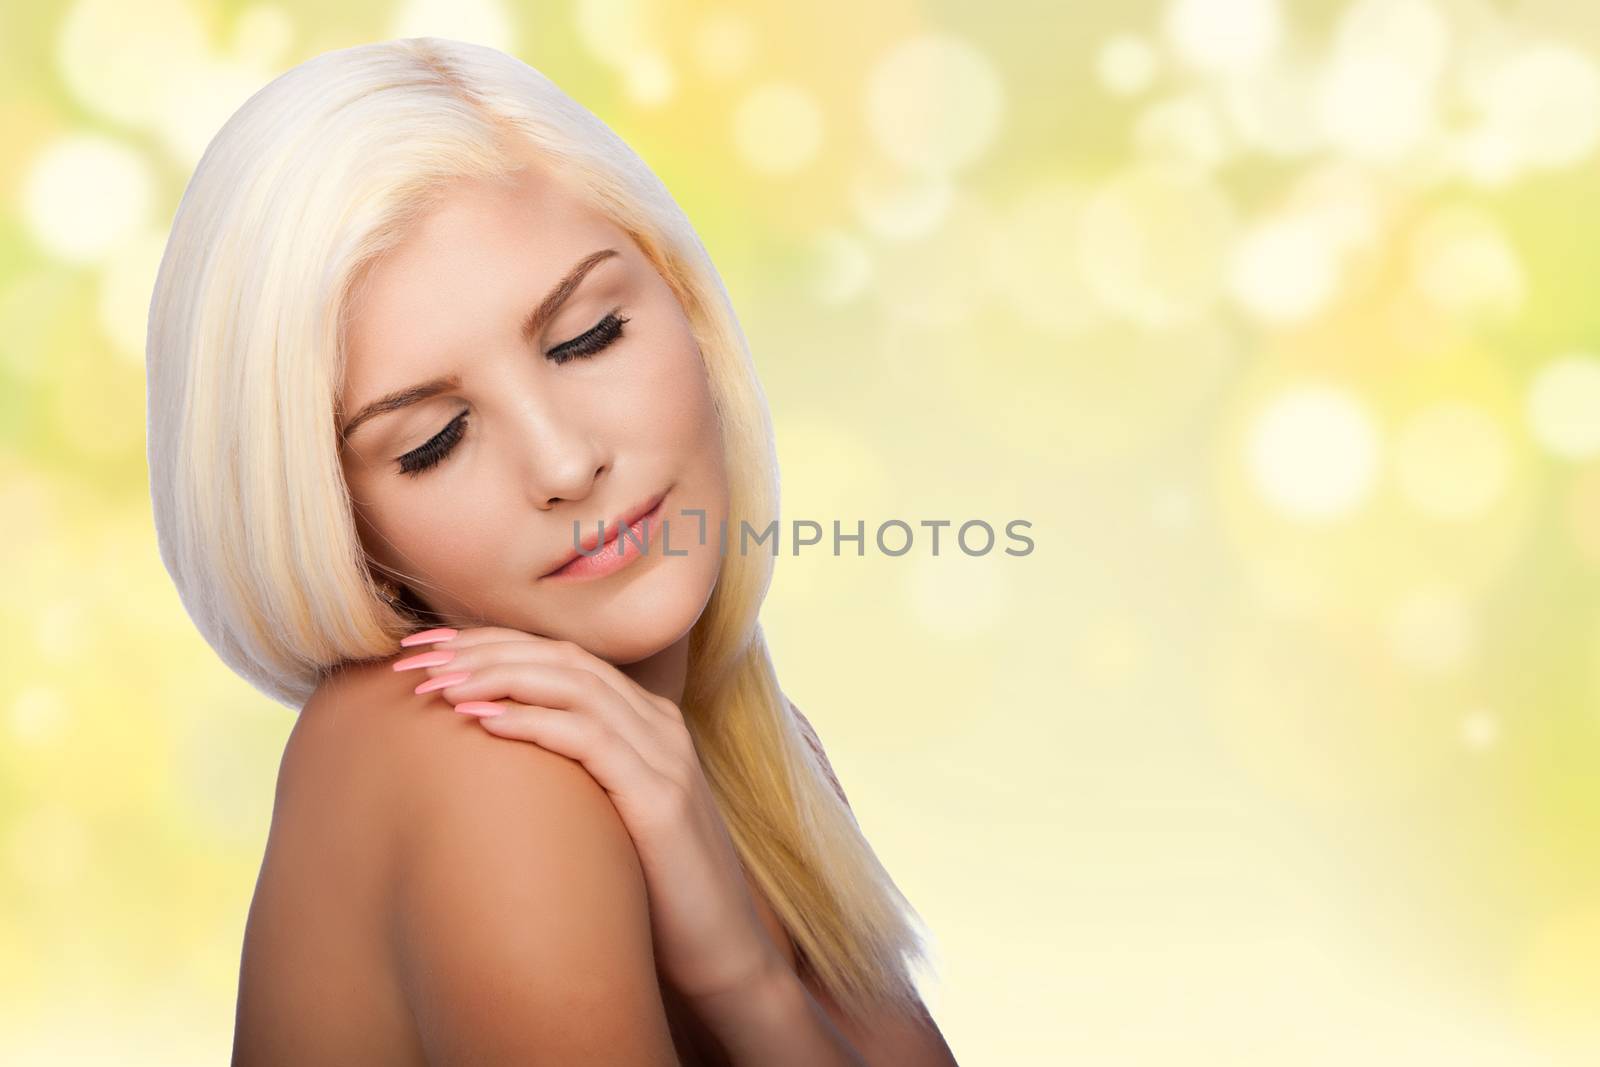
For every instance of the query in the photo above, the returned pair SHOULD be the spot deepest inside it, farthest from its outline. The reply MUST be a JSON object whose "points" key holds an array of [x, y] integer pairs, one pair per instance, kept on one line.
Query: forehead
{"points": [[466, 274]]}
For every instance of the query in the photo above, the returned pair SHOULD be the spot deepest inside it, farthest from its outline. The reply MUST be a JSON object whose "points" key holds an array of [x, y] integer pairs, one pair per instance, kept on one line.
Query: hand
{"points": [[709, 938]]}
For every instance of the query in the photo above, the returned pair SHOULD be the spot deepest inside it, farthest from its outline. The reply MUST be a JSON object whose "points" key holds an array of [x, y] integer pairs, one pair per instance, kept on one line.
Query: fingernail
{"points": [[428, 637], [437, 658], [483, 709], [442, 681]]}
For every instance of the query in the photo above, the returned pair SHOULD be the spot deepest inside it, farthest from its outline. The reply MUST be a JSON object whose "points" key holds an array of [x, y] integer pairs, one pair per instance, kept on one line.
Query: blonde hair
{"points": [[313, 179]]}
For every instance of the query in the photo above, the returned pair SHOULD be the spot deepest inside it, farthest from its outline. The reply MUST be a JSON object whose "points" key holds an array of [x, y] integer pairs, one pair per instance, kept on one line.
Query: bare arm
{"points": [[778, 1022], [521, 925], [521, 928], [897, 1039]]}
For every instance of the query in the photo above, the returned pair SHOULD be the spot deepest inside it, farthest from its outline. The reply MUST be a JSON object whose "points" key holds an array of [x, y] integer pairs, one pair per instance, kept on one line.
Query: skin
{"points": [[545, 445]]}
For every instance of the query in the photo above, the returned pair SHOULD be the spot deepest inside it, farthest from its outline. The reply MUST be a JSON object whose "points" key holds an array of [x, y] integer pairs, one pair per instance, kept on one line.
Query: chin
{"points": [[649, 614]]}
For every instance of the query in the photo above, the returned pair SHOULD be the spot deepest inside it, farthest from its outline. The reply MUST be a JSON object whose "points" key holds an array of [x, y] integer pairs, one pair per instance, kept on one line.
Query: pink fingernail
{"points": [[483, 709], [443, 681], [427, 637], [437, 658]]}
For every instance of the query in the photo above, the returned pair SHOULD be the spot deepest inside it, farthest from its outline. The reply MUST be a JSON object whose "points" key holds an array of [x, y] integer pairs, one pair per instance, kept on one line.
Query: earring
{"points": [[389, 591]]}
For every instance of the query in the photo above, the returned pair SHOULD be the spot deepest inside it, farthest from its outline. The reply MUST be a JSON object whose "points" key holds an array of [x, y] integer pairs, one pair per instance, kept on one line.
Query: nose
{"points": [[574, 482], [560, 458]]}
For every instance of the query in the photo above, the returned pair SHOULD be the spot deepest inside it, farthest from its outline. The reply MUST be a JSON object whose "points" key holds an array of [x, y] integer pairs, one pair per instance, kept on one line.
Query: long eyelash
{"points": [[605, 331], [420, 459], [602, 335]]}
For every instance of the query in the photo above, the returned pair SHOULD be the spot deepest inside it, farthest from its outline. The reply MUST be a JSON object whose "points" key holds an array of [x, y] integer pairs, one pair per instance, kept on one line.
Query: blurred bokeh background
{"points": [[1276, 320]]}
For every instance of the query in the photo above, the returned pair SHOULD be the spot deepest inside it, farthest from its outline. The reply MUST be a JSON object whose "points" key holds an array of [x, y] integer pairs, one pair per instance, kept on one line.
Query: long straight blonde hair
{"points": [[300, 193]]}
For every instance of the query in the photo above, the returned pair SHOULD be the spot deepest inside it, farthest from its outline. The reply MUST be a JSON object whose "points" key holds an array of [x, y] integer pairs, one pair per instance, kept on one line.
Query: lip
{"points": [[599, 558]]}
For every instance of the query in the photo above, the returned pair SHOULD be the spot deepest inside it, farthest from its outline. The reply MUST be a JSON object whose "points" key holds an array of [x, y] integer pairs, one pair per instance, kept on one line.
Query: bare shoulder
{"points": [[444, 782], [365, 738], [520, 923], [339, 779]]}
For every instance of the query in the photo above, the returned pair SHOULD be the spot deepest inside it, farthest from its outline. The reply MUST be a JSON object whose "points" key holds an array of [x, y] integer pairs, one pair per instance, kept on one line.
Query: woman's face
{"points": [[470, 494]]}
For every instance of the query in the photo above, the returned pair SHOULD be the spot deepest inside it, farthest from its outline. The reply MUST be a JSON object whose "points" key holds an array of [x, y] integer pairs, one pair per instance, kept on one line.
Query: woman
{"points": [[432, 357]]}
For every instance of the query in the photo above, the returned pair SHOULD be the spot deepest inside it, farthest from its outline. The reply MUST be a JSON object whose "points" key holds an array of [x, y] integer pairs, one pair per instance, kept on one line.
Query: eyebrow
{"points": [[530, 329]]}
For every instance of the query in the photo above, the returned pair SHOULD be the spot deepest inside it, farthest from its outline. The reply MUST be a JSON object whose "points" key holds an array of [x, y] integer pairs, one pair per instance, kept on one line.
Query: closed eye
{"points": [[599, 337]]}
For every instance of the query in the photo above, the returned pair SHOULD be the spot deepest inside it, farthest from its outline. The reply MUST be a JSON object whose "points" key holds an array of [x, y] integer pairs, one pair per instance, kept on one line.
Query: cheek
{"points": [[673, 401], [701, 440], [418, 535]]}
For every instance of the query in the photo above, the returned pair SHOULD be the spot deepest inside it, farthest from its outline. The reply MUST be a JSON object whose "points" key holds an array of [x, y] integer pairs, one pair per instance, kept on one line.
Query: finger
{"points": [[575, 691], [620, 769], [526, 648], [466, 637], [666, 735], [437, 656]]}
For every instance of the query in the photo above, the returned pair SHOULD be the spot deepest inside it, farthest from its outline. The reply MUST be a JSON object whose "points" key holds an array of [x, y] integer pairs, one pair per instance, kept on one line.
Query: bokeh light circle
{"points": [[1563, 406], [1223, 34], [614, 31], [486, 22], [1184, 130], [724, 45], [648, 79], [1271, 107], [1284, 269], [1312, 451], [129, 62], [1543, 103], [934, 102], [84, 195], [1126, 64], [1464, 264], [1480, 730], [1375, 107]]}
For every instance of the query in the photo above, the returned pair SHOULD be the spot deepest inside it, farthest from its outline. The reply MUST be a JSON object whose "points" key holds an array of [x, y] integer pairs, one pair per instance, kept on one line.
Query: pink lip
{"points": [[644, 520]]}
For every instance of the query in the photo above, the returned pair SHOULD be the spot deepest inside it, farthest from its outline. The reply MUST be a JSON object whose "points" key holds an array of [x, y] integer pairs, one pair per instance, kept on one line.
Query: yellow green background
{"points": [[1277, 321]]}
